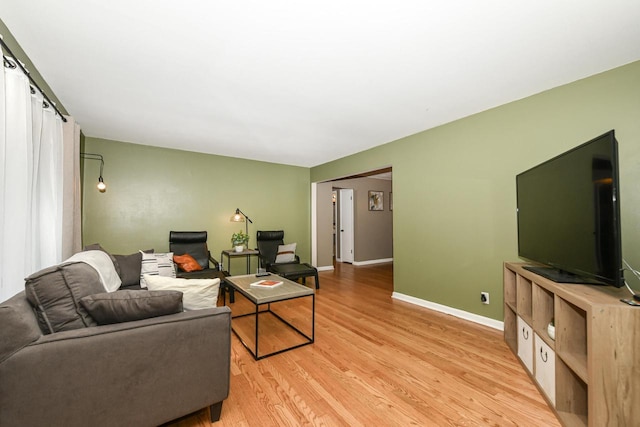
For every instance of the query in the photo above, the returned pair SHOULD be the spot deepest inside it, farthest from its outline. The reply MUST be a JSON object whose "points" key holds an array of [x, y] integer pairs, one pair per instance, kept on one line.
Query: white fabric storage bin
{"points": [[525, 344], [545, 368]]}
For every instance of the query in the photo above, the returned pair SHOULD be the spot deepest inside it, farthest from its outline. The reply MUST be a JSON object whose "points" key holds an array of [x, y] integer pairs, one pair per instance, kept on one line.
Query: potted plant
{"points": [[239, 240]]}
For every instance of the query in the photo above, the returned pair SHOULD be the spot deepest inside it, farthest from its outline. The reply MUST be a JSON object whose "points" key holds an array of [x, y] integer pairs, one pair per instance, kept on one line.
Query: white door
{"points": [[346, 225]]}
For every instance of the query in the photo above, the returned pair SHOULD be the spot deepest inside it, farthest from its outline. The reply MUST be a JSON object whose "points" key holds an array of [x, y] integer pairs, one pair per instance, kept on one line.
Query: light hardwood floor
{"points": [[381, 362]]}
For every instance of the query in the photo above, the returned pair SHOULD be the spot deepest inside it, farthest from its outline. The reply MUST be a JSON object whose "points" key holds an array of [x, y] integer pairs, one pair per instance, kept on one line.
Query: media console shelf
{"points": [[590, 373]]}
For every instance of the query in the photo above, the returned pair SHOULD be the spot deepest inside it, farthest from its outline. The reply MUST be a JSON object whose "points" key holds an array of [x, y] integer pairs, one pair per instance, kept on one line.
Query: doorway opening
{"points": [[358, 231]]}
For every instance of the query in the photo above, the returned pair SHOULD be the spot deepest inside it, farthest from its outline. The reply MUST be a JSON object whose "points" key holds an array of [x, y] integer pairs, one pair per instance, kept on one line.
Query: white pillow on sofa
{"points": [[156, 264], [196, 293], [286, 253]]}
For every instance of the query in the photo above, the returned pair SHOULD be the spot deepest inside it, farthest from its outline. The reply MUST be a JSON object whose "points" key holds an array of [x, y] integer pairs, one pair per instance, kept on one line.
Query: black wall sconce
{"points": [[102, 187]]}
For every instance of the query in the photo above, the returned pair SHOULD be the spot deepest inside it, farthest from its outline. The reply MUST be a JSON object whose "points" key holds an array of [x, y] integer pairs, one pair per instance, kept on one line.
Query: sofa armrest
{"points": [[145, 372], [19, 327]]}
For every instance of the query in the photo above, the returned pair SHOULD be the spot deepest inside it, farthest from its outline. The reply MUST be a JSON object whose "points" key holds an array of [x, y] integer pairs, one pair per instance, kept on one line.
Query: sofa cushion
{"points": [[97, 247], [196, 293], [187, 263], [129, 268], [156, 264], [103, 264], [126, 306], [55, 294]]}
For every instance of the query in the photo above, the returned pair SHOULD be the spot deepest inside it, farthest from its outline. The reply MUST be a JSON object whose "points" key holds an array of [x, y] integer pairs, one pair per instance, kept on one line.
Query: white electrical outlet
{"points": [[484, 297]]}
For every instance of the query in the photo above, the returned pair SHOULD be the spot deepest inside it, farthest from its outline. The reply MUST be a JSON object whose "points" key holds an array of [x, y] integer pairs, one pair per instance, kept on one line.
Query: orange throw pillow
{"points": [[186, 263]]}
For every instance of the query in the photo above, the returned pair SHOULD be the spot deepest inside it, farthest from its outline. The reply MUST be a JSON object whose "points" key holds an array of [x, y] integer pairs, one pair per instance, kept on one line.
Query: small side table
{"points": [[231, 253]]}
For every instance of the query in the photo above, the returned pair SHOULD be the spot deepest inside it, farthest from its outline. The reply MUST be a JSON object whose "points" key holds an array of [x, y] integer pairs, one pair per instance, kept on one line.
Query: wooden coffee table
{"points": [[271, 314]]}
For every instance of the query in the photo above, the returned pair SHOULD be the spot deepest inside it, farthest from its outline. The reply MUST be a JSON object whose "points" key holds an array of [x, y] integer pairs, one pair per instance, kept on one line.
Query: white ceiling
{"points": [[302, 82]]}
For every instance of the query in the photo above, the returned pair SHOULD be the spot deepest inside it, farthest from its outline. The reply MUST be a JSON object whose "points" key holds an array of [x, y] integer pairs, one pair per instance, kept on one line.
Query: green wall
{"points": [[151, 191], [454, 197]]}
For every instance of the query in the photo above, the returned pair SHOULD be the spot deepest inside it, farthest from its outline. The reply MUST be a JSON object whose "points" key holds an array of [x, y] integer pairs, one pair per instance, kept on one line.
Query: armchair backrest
{"points": [[268, 242], [193, 243]]}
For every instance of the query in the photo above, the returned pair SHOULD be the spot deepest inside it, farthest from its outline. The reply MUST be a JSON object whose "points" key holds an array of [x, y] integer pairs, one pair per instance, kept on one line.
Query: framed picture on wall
{"points": [[376, 200]]}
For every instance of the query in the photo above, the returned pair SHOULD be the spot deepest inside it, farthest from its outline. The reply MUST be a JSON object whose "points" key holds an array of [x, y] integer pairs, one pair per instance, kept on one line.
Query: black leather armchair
{"points": [[268, 242], [194, 243]]}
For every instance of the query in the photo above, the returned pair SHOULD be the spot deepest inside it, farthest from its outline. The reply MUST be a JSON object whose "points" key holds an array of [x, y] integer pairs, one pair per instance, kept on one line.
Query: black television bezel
{"points": [[568, 274]]}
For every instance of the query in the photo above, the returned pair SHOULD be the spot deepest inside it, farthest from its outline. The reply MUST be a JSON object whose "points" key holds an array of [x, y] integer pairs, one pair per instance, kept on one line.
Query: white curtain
{"points": [[71, 211], [31, 182]]}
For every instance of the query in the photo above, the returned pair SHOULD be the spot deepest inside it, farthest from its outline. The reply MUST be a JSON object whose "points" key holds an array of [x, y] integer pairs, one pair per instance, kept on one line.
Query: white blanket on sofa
{"points": [[101, 262]]}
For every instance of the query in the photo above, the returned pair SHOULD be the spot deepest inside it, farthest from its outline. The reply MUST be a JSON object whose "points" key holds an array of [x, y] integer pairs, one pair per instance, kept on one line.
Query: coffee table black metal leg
{"points": [[255, 356], [228, 288]]}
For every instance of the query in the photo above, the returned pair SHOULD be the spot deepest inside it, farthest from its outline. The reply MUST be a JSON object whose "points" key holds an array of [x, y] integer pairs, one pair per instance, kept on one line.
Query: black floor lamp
{"points": [[240, 216]]}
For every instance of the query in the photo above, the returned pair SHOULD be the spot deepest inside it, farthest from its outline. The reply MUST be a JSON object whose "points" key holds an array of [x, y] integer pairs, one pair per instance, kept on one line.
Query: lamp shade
{"points": [[237, 217]]}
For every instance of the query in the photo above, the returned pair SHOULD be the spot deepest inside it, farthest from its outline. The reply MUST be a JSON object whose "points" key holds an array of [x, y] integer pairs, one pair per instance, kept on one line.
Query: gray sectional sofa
{"points": [[59, 367]]}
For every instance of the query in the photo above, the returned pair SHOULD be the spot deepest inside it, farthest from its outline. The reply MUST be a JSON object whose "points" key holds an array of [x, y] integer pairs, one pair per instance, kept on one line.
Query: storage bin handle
{"points": [[544, 356]]}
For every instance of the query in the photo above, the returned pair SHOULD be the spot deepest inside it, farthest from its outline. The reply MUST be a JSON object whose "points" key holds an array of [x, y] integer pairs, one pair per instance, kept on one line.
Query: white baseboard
{"points": [[486, 321], [325, 268], [373, 261]]}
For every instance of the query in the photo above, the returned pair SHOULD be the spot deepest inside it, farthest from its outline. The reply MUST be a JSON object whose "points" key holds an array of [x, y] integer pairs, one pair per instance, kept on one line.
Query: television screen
{"points": [[569, 216]]}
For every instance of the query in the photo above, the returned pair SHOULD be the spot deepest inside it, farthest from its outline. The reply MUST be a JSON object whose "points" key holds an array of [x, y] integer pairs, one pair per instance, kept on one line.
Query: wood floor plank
{"points": [[379, 361]]}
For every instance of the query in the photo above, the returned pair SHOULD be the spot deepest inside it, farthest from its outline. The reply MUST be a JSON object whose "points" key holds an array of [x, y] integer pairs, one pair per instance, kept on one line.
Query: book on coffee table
{"points": [[266, 284]]}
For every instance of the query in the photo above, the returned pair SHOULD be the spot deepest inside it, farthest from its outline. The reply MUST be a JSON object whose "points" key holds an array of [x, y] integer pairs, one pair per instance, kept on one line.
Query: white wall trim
{"points": [[314, 224], [373, 261], [325, 268], [486, 321]]}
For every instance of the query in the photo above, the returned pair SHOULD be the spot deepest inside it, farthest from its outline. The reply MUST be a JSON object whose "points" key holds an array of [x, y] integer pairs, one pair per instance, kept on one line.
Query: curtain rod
{"points": [[4, 45]]}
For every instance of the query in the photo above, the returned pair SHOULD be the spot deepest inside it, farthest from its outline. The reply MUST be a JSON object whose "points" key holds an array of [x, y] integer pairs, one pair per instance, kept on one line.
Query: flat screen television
{"points": [[569, 215]]}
